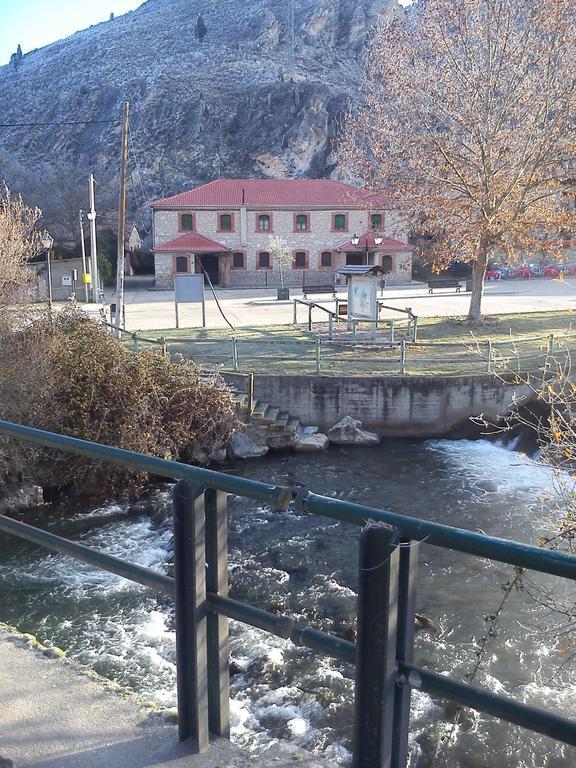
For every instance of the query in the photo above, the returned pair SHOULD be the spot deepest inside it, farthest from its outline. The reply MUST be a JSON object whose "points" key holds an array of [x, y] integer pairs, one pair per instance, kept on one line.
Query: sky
{"points": [[34, 23]]}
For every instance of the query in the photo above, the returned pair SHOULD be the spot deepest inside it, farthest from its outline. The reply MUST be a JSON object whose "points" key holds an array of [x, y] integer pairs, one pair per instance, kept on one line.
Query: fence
{"points": [[388, 559], [325, 356]]}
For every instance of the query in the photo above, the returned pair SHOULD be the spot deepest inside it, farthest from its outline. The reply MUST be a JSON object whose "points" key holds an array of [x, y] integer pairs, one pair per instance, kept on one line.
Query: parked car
{"points": [[552, 272]]}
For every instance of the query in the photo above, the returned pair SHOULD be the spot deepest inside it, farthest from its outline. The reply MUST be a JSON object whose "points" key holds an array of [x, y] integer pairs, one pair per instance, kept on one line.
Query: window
{"points": [[387, 263], [376, 221], [181, 263], [238, 260], [263, 261], [340, 222], [225, 222], [264, 222], [326, 259], [301, 222], [187, 221], [300, 260]]}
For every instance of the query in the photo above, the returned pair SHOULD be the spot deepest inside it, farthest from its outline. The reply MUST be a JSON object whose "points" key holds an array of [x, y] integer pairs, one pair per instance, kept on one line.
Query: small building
{"points": [[224, 229]]}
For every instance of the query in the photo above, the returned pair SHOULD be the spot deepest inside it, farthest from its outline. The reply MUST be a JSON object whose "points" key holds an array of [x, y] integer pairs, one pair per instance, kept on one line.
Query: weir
{"points": [[385, 673]]}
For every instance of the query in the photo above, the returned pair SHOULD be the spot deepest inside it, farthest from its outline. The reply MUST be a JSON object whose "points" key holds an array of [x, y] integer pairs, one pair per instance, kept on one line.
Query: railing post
{"points": [[217, 625], [134, 342], [162, 341], [550, 343], [295, 316], [376, 661], [190, 578], [391, 331], [408, 573], [250, 393], [317, 355], [403, 357], [489, 363], [330, 326], [235, 352], [309, 317], [415, 329]]}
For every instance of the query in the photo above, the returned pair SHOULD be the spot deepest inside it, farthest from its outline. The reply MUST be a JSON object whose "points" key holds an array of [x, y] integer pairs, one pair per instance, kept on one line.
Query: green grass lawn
{"points": [[456, 350]]}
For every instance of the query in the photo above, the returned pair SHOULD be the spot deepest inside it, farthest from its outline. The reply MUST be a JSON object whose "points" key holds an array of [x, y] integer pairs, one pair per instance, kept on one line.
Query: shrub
{"points": [[71, 376]]}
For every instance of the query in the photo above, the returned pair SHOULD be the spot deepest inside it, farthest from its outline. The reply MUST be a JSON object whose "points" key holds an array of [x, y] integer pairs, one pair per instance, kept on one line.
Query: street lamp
{"points": [[48, 242]]}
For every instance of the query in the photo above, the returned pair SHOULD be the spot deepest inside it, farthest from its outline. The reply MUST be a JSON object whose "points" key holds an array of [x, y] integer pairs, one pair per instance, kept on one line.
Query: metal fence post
{"points": [[403, 357], [415, 329], [489, 364], [376, 661], [330, 326], [309, 317], [317, 355], [408, 573], [216, 506], [295, 316], [190, 578], [235, 352], [391, 331]]}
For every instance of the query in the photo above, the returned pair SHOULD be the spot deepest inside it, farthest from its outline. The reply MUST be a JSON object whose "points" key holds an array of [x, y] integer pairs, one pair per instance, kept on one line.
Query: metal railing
{"points": [[388, 560]]}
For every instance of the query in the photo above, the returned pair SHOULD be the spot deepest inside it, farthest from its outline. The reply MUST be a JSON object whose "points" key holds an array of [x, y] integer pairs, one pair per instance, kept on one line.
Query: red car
{"points": [[525, 273], [492, 274], [552, 272]]}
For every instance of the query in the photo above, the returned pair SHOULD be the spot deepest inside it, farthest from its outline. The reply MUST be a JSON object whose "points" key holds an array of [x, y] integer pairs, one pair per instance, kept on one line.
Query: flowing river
{"points": [[306, 566]]}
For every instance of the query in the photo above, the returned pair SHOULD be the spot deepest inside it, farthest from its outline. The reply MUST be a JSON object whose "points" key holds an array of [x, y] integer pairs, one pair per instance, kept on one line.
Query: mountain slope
{"points": [[243, 102]]}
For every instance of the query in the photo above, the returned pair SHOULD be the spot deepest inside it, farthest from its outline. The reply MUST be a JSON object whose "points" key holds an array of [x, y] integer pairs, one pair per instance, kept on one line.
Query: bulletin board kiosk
{"points": [[363, 283]]}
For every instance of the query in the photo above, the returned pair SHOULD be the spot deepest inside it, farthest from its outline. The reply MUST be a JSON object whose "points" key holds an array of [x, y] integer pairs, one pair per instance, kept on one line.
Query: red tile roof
{"points": [[387, 244], [192, 242], [263, 193]]}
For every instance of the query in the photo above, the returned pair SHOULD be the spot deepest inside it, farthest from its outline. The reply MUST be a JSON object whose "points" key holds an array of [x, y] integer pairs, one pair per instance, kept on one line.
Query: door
{"points": [[208, 265]]}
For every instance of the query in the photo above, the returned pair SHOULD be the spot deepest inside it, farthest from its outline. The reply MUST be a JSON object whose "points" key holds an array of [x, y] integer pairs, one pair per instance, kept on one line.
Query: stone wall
{"points": [[247, 239], [400, 406]]}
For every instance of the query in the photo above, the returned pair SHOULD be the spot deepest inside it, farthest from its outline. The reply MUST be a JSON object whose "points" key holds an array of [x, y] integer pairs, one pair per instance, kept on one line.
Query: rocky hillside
{"points": [[249, 99]]}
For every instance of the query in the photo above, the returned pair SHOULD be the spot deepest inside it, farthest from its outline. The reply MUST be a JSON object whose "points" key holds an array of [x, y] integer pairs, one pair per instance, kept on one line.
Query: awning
{"points": [[192, 242]]}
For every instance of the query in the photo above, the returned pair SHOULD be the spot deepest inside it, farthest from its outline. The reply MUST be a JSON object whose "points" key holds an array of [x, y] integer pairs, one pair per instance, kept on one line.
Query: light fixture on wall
{"points": [[378, 240], [354, 239]]}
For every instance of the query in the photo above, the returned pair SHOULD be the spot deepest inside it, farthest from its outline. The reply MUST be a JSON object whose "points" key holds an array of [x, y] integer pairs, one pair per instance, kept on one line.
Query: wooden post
{"points": [[403, 357], [235, 353], [217, 627], [489, 351], [295, 314], [330, 326], [317, 355], [162, 341], [415, 329], [392, 325], [190, 578], [250, 393]]}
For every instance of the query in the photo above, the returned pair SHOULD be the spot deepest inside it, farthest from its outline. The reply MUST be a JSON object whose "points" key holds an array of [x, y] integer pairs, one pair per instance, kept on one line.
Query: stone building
{"points": [[225, 228]]}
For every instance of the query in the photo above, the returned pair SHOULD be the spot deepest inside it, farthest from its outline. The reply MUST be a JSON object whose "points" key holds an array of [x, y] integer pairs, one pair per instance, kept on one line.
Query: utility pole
{"points": [[93, 257], [83, 247], [122, 222]]}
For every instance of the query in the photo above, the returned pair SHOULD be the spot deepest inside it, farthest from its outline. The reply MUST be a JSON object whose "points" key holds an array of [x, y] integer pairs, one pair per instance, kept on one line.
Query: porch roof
{"points": [[192, 242]]}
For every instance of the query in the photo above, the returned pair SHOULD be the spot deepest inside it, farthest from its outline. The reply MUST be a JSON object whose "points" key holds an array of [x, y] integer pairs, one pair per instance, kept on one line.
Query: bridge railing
{"points": [[388, 560]]}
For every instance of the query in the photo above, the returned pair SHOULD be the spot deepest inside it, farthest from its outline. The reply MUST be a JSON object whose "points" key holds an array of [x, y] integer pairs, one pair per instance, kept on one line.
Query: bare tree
{"points": [[280, 255], [19, 241], [468, 122]]}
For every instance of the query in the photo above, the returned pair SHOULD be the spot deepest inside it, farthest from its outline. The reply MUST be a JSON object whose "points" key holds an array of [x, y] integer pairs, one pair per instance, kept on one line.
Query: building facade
{"points": [[225, 229]]}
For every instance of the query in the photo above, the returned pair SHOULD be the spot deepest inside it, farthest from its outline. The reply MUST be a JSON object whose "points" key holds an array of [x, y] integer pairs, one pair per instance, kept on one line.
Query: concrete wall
{"points": [[247, 239], [404, 406]]}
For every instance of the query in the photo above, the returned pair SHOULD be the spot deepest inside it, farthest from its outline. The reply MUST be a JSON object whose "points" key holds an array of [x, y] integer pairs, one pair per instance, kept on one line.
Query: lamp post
{"points": [[48, 242], [355, 240]]}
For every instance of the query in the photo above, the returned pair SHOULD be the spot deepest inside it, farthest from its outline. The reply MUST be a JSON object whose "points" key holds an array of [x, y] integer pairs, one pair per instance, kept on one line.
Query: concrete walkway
{"points": [[54, 715], [149, 310]]}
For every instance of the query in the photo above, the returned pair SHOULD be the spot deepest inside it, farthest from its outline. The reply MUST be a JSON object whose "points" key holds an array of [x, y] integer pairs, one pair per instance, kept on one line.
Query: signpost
{"points": [[189, 289]]}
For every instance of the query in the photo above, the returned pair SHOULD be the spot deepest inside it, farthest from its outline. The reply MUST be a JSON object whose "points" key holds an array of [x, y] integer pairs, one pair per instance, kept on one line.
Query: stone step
{"points": [[259, 410], [270, 415], [281, 423], [293, 424]]}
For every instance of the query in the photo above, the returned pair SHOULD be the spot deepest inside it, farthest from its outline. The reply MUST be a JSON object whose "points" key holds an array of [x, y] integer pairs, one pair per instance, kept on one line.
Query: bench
{"points": [[444, 282], [313, 289]]}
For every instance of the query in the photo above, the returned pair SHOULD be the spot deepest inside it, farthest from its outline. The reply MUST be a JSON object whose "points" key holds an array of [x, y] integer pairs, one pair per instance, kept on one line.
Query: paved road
{"points": [[147, 309], [54, 716]]}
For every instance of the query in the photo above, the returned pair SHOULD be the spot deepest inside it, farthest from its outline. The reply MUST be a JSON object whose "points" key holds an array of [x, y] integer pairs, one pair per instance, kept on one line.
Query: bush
{"points": [[71, 376]]}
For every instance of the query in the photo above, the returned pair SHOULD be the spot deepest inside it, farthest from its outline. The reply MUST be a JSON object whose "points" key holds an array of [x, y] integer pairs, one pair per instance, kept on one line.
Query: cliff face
{"points": [[250, 99]]}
